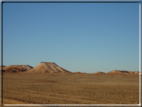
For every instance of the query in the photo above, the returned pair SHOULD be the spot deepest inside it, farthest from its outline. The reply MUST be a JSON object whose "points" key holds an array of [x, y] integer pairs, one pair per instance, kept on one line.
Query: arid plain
{"points": [[48, 83], [45, 88]]}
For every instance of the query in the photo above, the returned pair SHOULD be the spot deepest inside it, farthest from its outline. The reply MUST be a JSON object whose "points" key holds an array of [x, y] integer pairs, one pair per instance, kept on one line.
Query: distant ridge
{"points": [[47, 67], [79, 72], [119, 72], [51, 67], [99, 73], [122, 72], [16, 68]]}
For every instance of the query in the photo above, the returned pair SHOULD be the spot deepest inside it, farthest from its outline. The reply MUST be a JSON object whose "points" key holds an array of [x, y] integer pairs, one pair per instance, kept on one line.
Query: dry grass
{"points": [[39, 88]]}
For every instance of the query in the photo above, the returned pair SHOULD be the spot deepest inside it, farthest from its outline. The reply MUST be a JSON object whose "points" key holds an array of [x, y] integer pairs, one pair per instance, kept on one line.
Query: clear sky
{"points": [[85, 37]]}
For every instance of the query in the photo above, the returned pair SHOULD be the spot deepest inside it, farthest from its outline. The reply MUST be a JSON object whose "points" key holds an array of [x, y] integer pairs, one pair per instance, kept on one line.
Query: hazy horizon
{"points": [[84, 37]]}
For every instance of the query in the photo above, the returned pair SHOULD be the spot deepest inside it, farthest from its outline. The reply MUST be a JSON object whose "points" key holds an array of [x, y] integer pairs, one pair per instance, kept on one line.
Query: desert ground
{"points": [[45, 88]]}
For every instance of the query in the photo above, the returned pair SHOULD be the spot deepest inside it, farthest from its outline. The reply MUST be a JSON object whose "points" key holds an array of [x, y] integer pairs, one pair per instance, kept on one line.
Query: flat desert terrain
{"points": [[44, 88]]}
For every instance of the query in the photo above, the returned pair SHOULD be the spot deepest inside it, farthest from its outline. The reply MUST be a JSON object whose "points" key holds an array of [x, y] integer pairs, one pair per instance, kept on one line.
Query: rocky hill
{"points": [[16, 68], [122, 72], [47, 67]]}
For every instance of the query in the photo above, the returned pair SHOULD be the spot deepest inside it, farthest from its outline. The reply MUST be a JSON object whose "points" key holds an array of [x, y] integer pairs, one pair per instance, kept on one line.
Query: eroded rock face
{"points": [[134, 72], [27, 67], [16, 68], [48, 67]]}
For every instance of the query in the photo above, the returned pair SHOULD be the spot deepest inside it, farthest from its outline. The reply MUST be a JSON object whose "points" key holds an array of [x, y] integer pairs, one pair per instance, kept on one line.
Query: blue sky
{"points": [[85, 37]]}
